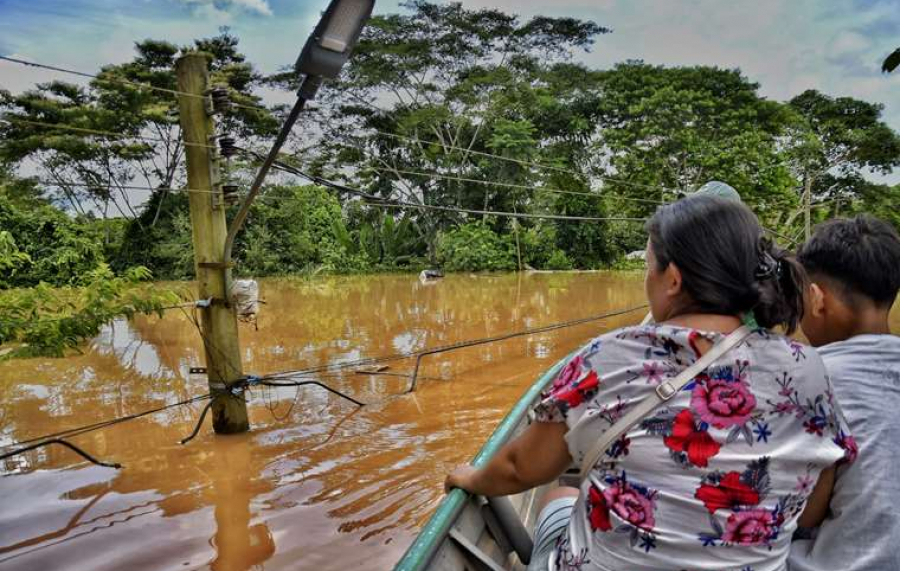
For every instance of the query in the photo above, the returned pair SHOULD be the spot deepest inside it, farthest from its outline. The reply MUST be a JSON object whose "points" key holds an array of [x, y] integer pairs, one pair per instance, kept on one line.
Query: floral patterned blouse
{"points": [[713, 480]]}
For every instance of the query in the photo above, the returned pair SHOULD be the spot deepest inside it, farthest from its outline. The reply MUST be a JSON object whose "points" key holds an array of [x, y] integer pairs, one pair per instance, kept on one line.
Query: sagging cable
{"points": [[68, 445]]}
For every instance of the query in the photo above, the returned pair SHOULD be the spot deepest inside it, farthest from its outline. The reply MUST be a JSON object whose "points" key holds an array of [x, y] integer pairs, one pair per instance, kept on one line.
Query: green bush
{"points": [[558, 261], [50, 246], [475, 247], [46, 321], [538, 244]]}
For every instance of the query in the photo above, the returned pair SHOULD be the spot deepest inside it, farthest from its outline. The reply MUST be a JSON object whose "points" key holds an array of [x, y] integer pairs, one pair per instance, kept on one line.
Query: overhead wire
{"points": [[397, 204], [380, 132], [523, 162], [379, 202], [401, 204], [78, 431], [121, 81], [88, 131], [548, 189], [115, 186]]}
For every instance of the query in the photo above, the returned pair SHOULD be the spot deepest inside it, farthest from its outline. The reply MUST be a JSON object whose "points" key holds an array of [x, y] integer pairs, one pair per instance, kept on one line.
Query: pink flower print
{"points": [[785, 407], [631, 504], [722, 402], [752, 527], [654, 372], [804, 484], [848, 443], [570, 373]]}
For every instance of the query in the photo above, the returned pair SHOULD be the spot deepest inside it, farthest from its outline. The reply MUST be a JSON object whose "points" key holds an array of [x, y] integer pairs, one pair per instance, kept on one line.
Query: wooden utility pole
{"points": [[219, 321], [807, 205]]}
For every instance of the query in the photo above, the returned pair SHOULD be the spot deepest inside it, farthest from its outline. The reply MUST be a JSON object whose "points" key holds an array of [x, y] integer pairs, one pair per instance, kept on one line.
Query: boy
{"points": [[854, 270]]}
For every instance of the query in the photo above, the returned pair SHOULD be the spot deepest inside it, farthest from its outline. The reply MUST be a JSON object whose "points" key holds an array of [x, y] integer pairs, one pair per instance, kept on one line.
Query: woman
{"points": [[717, 477]]}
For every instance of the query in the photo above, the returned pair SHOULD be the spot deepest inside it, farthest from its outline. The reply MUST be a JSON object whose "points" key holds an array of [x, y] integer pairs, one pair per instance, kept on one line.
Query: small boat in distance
{"points": [[474, 533]]}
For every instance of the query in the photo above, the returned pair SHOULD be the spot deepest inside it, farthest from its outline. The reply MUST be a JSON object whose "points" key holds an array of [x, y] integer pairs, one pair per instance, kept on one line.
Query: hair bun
{"points": [[769, 267]]}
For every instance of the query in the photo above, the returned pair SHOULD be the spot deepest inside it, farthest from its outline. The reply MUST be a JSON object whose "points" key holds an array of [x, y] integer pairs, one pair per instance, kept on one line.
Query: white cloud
{"points": [[260, 6], [849, 42], [217, 8]]}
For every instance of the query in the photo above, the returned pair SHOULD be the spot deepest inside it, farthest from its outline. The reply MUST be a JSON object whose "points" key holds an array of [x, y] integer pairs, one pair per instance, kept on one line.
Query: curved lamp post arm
{"points": [[324, 54], [307, 91]]}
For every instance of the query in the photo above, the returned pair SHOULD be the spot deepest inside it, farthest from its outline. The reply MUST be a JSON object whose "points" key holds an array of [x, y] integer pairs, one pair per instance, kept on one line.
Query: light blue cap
{"points": [[718, 188]]}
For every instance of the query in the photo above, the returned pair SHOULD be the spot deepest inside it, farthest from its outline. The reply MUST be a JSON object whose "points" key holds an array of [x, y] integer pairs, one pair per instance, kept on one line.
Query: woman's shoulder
{"points": [[782, 350], [655, 340], [672, 342]]}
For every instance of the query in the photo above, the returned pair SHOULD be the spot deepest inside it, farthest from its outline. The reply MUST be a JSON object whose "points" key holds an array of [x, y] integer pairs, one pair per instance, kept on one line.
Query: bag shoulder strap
{"points": [[664, 392]]}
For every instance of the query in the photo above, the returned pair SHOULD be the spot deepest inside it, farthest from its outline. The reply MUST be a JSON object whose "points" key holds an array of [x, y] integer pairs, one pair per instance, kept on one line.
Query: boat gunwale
{"points": [[433, 533]]}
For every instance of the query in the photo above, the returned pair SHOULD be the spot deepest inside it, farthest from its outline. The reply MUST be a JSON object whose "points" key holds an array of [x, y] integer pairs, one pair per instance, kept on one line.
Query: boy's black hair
{"points": [[862, 254]]}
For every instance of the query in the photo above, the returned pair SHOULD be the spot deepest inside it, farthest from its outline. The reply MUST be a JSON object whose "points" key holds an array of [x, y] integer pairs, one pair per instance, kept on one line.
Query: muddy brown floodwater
{"points": [[316, 484]]}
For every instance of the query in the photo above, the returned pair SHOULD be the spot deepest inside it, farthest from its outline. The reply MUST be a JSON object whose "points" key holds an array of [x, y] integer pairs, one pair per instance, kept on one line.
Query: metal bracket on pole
{"points": [[215, 175], [208, 105]]}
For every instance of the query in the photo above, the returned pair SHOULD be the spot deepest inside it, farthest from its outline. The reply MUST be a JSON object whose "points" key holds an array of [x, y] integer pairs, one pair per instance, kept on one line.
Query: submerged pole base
{"points": [[229, 413]]}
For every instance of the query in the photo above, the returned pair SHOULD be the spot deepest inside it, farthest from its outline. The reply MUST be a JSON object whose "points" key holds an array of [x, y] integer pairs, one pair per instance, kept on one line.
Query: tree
{"points": [[142, 141], [52, 247], [452, 83], [833, 141], [664, 130]]}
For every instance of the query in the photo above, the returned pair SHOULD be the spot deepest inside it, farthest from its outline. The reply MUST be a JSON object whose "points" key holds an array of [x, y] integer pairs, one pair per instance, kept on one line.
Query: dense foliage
{"points": [[46, 321], [441, 106]]}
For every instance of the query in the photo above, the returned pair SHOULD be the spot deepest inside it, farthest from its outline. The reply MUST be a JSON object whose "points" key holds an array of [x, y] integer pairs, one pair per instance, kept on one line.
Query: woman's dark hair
{"points": [[727, 265]]}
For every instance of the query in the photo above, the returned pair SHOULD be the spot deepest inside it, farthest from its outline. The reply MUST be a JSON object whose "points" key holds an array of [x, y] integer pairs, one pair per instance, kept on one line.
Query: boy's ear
{"points": [[816, 301]]}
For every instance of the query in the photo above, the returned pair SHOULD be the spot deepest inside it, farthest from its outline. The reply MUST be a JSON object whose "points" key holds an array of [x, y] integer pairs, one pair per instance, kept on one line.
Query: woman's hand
{"points": [[461, 477], [535, 457]]}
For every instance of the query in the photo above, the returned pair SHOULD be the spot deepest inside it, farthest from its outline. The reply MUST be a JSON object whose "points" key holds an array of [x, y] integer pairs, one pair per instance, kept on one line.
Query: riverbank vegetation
{"points": [[443, 114]]}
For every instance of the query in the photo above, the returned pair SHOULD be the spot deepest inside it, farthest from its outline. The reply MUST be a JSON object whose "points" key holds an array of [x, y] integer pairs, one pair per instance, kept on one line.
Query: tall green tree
{"points": [[667, 130], [92, 171], [833, 142], [455, 83]]}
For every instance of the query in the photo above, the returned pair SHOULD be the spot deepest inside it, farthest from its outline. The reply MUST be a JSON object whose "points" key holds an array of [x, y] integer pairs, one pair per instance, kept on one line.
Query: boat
{"points": [[474, 533]]}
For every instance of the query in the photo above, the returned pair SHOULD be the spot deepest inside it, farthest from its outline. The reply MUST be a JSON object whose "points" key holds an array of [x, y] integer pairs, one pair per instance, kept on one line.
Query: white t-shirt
{"points": [[863, 530]]}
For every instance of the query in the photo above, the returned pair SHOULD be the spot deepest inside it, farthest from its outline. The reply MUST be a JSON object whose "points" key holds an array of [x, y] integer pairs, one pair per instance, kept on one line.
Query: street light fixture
{"points": [[325, 53], [329, 46]]}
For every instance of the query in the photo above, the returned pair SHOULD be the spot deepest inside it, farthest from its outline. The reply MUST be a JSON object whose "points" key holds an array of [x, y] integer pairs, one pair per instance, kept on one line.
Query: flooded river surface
{"points": [[317, 483]]}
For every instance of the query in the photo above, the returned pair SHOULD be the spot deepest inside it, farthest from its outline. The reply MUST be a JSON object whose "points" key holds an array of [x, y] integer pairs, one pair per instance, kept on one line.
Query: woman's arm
{"points": [[817, 504], [536, 457]]}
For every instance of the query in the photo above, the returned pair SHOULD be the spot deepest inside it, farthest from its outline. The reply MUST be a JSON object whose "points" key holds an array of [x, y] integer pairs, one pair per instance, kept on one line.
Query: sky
{"points": [[787, 46]]}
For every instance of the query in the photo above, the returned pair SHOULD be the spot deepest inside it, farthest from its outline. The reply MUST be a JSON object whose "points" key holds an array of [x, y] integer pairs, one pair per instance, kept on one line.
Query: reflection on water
{"points": [[318, 483]]}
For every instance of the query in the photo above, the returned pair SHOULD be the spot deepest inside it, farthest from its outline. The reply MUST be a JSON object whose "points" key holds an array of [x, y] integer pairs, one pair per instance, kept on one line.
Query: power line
{"points": [[72, 432], [111, 134], [551, 190], [379, 202], [400, 204], [504, 337], [460, 344], [124, 187], [527, 163], [121, 81]]}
